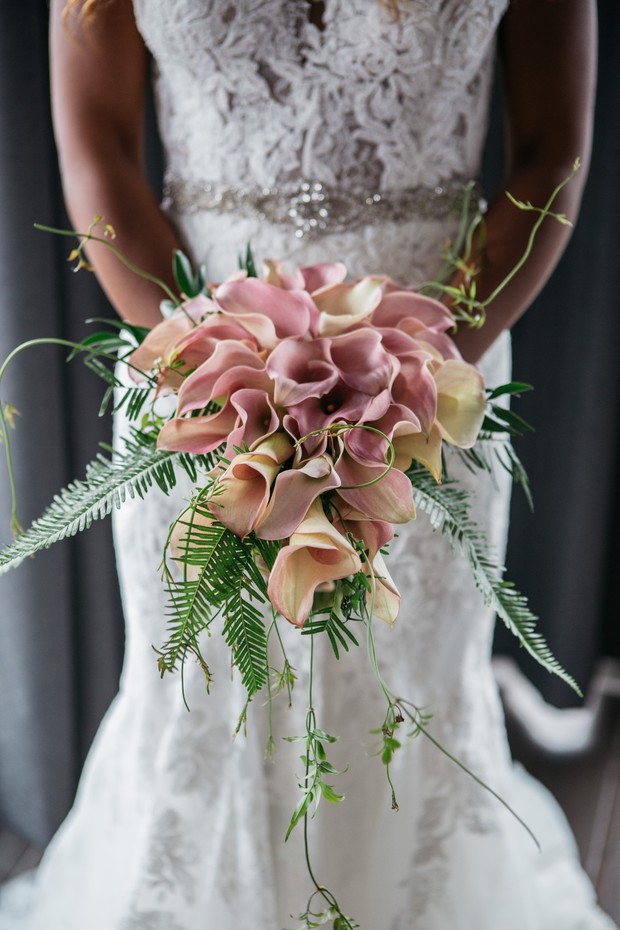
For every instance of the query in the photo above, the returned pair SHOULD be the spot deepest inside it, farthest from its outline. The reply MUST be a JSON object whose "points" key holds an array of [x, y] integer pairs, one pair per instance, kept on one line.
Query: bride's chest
{"points": [[285, 43]]}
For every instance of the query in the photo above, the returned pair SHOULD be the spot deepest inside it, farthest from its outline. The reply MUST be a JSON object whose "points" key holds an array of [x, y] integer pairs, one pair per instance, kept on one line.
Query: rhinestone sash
{"points": [[313, 209]]}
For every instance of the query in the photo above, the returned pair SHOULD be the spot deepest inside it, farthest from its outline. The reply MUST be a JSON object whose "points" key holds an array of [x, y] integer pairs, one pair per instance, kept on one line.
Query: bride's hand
{"points": [[98, 74]]}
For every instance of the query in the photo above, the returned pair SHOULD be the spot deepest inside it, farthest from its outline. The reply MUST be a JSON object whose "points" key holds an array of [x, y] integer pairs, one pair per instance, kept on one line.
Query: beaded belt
{"points": [[313, 208]]}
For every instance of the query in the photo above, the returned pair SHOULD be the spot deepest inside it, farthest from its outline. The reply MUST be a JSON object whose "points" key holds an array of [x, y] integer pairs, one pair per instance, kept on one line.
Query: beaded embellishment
{"points": [[313, 208]]}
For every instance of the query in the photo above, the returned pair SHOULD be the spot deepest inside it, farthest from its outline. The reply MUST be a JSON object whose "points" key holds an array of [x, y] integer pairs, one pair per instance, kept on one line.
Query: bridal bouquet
{"points": [[311, 414]]}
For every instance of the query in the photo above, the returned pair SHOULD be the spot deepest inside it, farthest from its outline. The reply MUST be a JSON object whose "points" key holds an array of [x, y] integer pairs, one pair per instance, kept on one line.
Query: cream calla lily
{"points": [[317, 553], [461, 402]]}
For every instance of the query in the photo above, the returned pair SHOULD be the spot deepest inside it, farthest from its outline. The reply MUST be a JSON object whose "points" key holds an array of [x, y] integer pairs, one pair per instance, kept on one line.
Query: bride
{"points": [[336, 130]]}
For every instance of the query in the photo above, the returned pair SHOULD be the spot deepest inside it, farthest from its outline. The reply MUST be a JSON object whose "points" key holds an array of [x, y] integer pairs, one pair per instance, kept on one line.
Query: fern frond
{"points": [[244, 631], [335, 627], [448, 509], [192, 601], [490, 448], [107, 484], [223, 580]]}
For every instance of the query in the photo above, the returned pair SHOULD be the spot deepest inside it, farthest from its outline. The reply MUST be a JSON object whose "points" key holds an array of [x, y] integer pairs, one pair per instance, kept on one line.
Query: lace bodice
{"points": [[254, 92]]}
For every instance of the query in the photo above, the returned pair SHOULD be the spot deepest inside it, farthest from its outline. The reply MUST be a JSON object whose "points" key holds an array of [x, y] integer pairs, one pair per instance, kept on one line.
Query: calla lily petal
{"points": [[362, 361], [415, 387], [385, 604], [317, 553], [200, 342], [255, 303], [198, 434], [323, 275], [398, 305], [375, 534], [460, 402], [242, 491], [230, 358], [343, 305], [257, 418], [424, 449], [390, 498], [301, 369], [293, 493], [158, 344]]}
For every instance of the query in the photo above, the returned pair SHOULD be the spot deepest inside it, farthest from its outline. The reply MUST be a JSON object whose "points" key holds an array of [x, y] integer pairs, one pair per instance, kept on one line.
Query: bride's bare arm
{"points": [[548, 53], [99, 72]]}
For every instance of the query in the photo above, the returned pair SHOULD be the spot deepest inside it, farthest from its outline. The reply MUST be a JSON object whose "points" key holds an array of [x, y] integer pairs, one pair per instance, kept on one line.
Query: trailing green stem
{"points": [[16, 527], [89, 237]]}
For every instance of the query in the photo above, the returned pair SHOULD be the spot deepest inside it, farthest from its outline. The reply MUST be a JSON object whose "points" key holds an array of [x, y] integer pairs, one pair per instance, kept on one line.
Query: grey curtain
{"points": [[60, 623]]}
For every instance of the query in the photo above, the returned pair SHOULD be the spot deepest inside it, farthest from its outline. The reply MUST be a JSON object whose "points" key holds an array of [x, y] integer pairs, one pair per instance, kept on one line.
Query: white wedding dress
{"points": [[176, 826]]}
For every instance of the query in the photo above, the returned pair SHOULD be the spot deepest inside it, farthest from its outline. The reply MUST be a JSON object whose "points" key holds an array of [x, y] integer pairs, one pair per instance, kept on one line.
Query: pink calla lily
{"points": [[293, 493], [363, 362], [323, 275], [199, 344], [415, 387], [316, 553], [257, 418], [389, 498], [198, 434], [439, 345], [232, 365], [301, 369], [341, 403], [269, 313], [158, 344], [242, 491], [369, 447], [397, 306]]}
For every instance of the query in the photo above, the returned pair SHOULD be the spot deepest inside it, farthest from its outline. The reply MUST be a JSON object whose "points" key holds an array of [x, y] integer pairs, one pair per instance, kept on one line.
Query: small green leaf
{"points": [[330, 795], [322, 735], [513, 387], [517, 423], [300, 812], [184, 274]]}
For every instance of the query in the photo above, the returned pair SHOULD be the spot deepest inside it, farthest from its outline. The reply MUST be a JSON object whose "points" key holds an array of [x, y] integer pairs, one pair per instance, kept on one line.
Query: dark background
{"points": [[60, 619]]}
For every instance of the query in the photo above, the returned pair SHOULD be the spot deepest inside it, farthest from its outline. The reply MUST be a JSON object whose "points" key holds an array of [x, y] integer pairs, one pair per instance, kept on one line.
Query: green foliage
{"points": [[492, 448], [247, 263], [334, 626], [448, 509], [494, 440], [317, 767], [108, 483], [219, 577], [189, 282]]}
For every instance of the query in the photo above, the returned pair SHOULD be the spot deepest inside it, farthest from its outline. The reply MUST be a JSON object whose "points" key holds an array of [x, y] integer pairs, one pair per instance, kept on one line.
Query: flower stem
{"points": [[16, 527], [89, 237]]}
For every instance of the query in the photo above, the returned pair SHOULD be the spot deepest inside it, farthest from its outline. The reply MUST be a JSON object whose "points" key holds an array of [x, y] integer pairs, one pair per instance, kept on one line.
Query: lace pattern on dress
{"points": [[277, 99]]}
